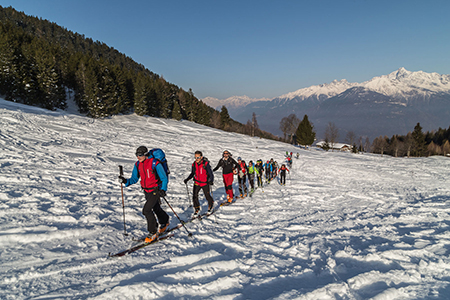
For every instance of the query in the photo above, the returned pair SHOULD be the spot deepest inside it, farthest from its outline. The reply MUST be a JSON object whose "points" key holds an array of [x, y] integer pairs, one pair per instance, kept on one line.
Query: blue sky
{"points": [[261, 48]]}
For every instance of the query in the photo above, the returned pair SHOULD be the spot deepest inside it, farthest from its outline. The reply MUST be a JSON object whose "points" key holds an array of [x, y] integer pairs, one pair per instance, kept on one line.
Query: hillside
{"points": [[44, 65], [344, 227]]}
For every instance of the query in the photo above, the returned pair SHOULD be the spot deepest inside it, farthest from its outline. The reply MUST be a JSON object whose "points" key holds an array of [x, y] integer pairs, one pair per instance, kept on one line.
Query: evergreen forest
{"points": [[43, 64]]}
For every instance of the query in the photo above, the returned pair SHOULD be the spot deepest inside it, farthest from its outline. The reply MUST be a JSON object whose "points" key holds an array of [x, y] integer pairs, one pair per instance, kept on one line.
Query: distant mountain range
{"points": [[234, 102], [385, 105]]}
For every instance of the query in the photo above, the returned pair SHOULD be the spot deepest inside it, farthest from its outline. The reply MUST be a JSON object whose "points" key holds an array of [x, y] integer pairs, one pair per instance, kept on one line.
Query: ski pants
{"points": [[206, 192], [228, 182], [242, 185], [152, 207], [251, 180], [283, 177], [259, 178]]}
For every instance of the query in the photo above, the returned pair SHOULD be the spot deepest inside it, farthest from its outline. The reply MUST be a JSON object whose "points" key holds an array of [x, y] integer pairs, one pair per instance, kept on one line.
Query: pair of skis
{"points": [[167, 234]]}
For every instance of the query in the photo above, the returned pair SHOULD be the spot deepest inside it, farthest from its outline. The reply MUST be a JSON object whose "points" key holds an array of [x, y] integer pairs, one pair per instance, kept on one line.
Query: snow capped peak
{"points": [[400, 73], [232, 102], [406, 84], [326, 89]]}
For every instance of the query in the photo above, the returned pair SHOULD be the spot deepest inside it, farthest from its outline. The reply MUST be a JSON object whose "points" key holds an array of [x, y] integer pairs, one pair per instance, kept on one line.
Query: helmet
{"points": [[141, 151]]}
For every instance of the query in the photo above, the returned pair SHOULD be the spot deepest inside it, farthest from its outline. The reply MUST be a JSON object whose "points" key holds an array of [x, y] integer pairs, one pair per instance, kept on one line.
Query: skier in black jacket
{"points": [[229, 166]]}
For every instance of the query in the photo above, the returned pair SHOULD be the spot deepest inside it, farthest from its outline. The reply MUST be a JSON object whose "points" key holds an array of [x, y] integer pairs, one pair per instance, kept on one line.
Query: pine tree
{"points": [[140, 96], [49, 83], [7, 68], [176, 112], [419, 141], [305, 133], [203, 115], [224, 118], [190, 112]]}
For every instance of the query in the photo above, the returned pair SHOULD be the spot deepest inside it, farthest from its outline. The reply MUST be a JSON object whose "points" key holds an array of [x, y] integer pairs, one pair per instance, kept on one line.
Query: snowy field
{"points": [[345, 226]]}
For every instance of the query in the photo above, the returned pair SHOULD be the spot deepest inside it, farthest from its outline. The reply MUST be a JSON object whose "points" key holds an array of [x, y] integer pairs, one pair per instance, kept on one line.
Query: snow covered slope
{"points": [[344, 226]]}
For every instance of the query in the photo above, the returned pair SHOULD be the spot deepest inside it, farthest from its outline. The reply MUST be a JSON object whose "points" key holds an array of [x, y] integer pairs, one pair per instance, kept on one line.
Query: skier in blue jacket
{"points": [[154, 183]]}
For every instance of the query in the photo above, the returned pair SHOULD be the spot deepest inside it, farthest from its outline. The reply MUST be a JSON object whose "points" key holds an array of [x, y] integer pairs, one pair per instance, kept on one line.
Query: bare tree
{"points": [[395, 146], [367, 145], [215, 119], [284, 126], [331, 134], [446, 148], [254, 124], [380, 144], [350, 138], [288, 125], [409, 143]]}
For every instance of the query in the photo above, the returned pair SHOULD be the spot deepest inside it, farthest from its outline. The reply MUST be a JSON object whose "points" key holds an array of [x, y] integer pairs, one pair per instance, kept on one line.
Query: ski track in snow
{"points": [[345, 226]]}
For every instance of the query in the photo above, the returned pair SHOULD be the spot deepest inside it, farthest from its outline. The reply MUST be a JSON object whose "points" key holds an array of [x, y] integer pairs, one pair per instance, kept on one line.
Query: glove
{"points": [[211, 183], [162, 193], [122, 179], [185, 181]]}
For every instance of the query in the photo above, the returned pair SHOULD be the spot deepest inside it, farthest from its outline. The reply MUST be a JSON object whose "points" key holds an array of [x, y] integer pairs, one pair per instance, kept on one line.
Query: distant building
{"points": [[336, 146]]}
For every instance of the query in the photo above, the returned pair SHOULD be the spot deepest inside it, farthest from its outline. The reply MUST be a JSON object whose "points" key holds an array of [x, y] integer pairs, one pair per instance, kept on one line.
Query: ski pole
{"points": [[182, 223], [188, 194], [123, 202]]}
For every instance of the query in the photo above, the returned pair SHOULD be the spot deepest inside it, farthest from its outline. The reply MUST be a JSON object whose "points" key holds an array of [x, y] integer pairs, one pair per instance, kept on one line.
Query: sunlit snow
{"points": [[345, 226]]}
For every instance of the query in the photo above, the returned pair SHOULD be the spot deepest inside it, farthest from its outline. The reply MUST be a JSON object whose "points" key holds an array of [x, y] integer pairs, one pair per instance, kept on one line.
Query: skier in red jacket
{"points": [[203, 178], [150, 172], [282, 173]]}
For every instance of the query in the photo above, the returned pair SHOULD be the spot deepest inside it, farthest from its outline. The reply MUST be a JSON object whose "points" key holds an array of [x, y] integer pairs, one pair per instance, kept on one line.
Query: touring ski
{"points": [[140, 246], [165, 232], [178, 226]]}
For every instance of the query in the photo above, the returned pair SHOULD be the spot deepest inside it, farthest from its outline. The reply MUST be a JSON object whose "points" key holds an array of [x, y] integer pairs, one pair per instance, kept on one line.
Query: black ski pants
{"points": [[251, 180], [242, 184], [283, 177], [152, 207], [206, 192]]}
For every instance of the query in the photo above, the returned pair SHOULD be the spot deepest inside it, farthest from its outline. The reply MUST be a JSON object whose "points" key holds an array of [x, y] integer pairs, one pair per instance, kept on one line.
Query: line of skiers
{"points": [[152, 171]]}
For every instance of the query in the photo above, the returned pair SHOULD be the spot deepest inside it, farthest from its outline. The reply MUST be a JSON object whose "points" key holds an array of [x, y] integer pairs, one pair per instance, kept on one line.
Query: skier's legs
{"points": [[228, 182], [152, 199], [251, 180], [209, 198], [195, 192], [240, 180]]}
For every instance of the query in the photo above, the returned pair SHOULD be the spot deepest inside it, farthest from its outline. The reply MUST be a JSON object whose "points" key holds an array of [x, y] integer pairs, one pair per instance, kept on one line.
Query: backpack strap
{"points": [[153, 164]]}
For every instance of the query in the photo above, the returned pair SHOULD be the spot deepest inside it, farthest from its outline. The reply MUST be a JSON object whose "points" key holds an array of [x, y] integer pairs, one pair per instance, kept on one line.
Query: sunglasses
{"points": [[198, 157]]}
